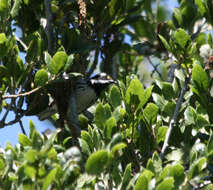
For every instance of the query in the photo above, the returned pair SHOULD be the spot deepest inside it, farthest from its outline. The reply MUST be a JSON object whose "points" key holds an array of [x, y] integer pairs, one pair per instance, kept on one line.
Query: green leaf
{"points": [[69, 63], [156, 163], [201, 7], [126, 176], [34, 48], [143, 180], [3, 6], [102, 113], [30, 171], [168, 109], [115, 97], [114, 6], [161, 134], [41, 77], [24, 140], [147, 94], [97, 162], [196, 168], [190, 116], [26, 2], [110, 124], [84, 147], [15, 8], [117, 148], [49, 179], [119, 113], [181, 37], [210, 144], [164, 173], [159, 100], [117, 138], [2, 164], [166, 88], [210, 40], [167, 184], [179, 74], [150, 113], [200, 78], [3, 45], [178, 16], [49, 143], [135, 88], [177, 171], [58, 62], [32, 129], [165, 43], [86, 136], [47, 58], [31, 156]]}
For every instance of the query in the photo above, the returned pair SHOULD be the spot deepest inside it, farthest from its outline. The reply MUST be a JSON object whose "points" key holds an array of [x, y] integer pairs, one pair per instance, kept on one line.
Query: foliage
{"points": [[143, 136]]}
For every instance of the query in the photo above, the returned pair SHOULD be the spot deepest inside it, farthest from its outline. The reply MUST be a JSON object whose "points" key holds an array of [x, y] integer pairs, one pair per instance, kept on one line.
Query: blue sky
{"points": [[10, 133]]}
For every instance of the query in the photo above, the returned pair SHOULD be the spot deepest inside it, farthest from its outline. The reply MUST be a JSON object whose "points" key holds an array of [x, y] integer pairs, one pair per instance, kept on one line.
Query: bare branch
{"points": [[174, 119], [49, 28], [23, 94], [154, 66], [22, 127], [21, 42], [171, 74]]}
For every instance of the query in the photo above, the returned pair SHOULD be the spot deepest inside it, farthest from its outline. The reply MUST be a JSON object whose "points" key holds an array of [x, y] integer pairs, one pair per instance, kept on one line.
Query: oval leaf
{"points": [[41, 77], [58, 62], [97, 162], [181, 37], [200, 78]]}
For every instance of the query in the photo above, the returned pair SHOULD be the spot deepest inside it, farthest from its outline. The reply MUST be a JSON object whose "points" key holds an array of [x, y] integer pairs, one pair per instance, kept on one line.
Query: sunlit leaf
{"points": [[97, 162]]}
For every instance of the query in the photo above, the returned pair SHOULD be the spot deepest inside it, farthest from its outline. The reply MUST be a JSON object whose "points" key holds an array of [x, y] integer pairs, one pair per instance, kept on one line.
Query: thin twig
{"points": [[23, 94], [49, 28], [21, 42], [173, 120], [22, 127], [7, 112], [155, 67]]}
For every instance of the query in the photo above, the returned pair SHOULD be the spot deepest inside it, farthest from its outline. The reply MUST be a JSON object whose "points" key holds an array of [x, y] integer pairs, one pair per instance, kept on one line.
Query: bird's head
{"points": [[101, 81]]}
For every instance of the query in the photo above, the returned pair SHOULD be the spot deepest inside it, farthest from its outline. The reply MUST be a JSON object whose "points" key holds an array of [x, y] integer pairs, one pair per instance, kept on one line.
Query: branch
{"points": [[21, 42], [22, 127], [155, 67], [23, 94], [49, 28], [171, 74], [174, 119]]}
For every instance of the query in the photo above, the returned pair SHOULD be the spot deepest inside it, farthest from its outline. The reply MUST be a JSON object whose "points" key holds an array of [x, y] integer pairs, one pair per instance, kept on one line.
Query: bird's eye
{"points": [[108, 77]]}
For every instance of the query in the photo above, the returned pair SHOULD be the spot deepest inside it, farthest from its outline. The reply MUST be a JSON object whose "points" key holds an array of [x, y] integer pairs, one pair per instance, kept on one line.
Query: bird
{"points": [[87, 91]]}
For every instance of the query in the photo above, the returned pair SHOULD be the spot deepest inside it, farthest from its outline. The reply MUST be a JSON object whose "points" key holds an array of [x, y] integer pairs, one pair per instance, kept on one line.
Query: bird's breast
{"points": [[85, 97]]}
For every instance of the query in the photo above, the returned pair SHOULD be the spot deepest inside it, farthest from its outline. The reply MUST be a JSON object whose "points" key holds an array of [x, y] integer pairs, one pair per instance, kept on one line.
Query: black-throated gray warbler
{"points": [[87, 92]]}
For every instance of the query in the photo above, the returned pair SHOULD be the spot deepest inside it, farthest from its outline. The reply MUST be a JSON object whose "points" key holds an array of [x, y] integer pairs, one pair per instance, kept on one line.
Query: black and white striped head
{"points": [[101, 81]]}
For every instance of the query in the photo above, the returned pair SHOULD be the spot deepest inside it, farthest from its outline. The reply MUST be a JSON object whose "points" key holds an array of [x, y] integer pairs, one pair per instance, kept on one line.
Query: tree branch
{"points": [[22, 127], [21, 42], [171, 74], [23, 94], [174, 119], [154, 67]]}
